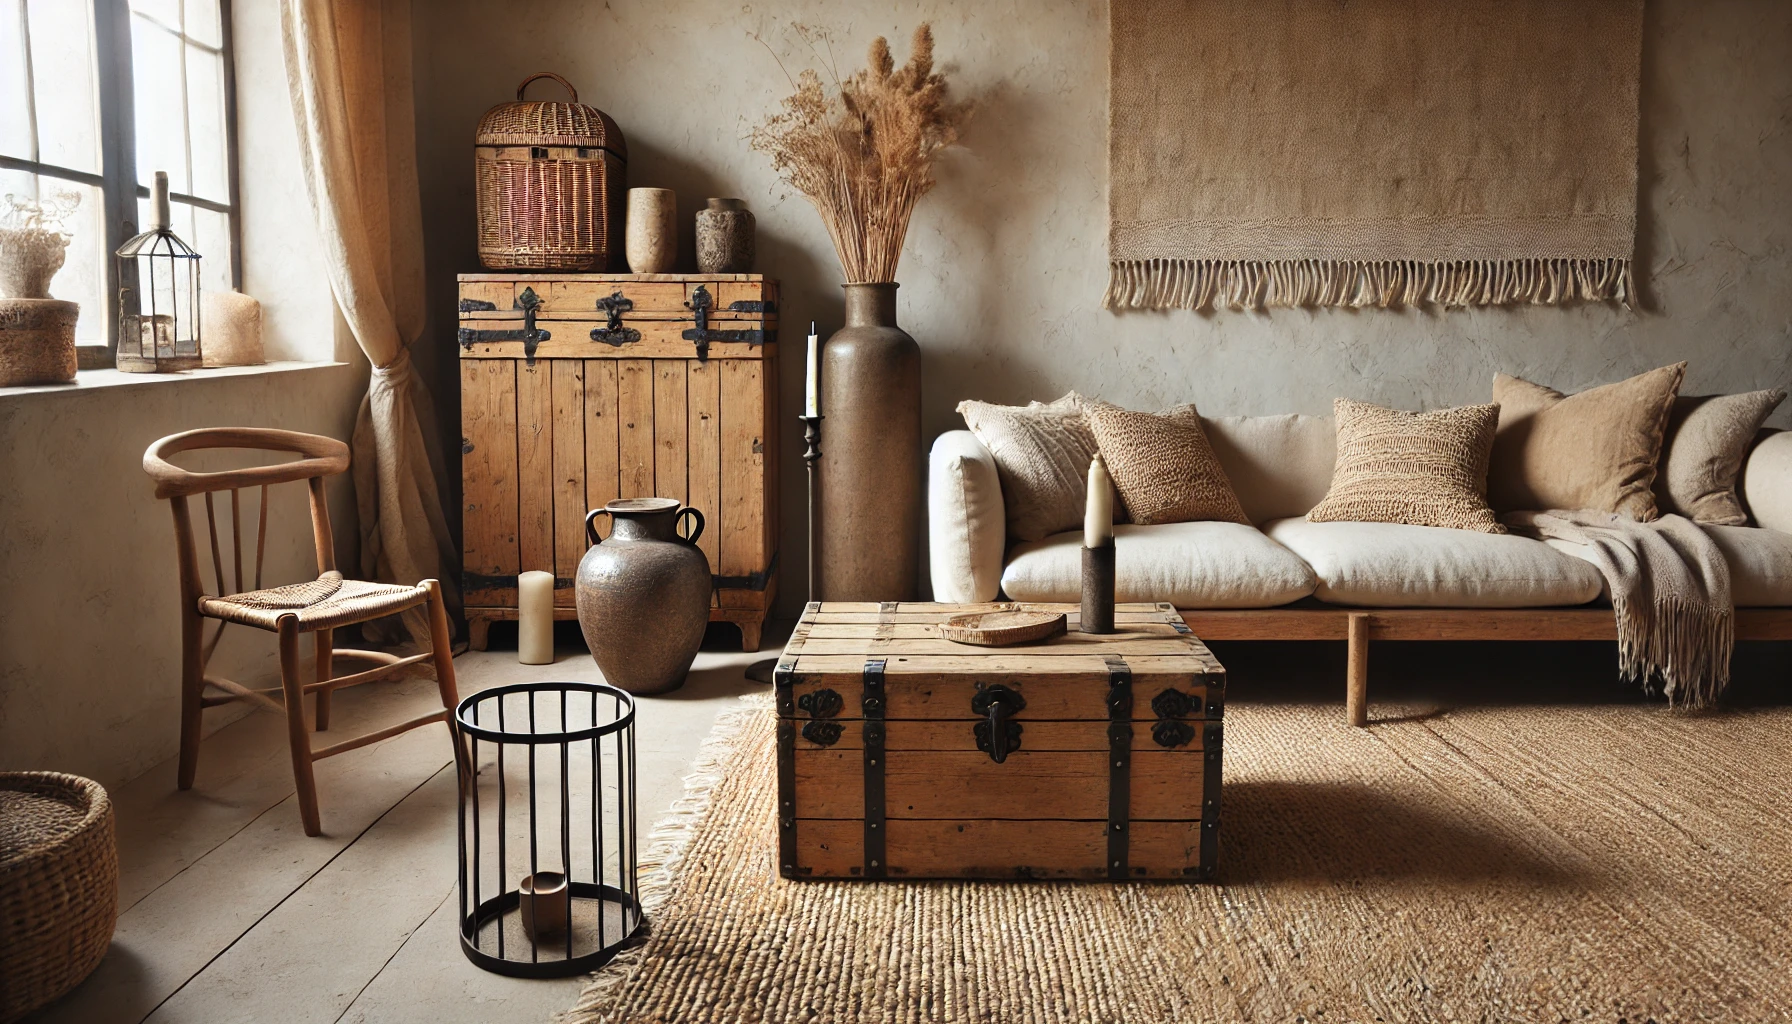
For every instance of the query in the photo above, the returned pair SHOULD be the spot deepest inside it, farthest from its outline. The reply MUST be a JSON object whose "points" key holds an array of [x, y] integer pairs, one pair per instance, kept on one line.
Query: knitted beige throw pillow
{"points": [[1042, 452], [1418, 468], [1163, 466]]}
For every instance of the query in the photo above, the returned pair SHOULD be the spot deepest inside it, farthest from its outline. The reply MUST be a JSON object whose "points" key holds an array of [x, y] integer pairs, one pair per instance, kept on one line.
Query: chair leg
{"points": [[323, 646], [192, 690], [296, 735], [441, 645]]}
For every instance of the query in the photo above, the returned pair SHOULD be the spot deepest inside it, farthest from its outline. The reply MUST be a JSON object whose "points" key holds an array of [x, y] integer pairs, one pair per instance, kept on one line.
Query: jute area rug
{"points": [[1597, 863]]}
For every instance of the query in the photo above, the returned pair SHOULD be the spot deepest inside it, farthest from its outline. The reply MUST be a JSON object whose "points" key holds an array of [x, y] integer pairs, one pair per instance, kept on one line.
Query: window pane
{"points": [[205, 106], [82, 278], [161, 117], [165, 11], [211, 237], [15, 108], [202, 22], [65, 93]]}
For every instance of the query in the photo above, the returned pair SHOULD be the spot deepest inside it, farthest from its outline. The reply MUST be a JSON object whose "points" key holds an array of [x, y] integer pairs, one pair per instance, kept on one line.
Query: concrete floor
{"points": [[228, 912]]}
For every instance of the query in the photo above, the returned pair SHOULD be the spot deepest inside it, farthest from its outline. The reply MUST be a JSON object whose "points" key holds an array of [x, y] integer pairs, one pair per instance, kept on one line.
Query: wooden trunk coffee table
{"points": [[905, 755]]}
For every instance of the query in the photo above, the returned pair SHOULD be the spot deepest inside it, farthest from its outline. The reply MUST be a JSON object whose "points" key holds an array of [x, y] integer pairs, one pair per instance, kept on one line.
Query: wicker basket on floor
{"points": [[58, 886]]}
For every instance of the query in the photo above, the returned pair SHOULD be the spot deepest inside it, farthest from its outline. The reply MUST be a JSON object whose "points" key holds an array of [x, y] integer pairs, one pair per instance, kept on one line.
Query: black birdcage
{"points": [[158, 295], [547, 828]]}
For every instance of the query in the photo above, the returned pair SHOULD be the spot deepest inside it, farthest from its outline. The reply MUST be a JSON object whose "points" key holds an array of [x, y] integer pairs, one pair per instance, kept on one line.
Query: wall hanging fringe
{"points": [[1256, 284]]}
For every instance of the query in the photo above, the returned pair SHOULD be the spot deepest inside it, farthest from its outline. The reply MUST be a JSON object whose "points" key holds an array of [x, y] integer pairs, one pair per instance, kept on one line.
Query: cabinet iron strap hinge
{"points": [[700, 305], [753, 581], [528, 302], [613, 306], [1119, 764], [872, 705]]}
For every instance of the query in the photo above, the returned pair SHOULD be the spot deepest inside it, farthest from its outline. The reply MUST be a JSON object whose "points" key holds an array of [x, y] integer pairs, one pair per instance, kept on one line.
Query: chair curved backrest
{"points": [[323, 456], [320, 457]]}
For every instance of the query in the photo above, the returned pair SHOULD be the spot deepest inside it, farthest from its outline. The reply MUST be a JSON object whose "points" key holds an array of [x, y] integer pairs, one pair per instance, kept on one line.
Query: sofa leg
{"points": [[1356, 698]]}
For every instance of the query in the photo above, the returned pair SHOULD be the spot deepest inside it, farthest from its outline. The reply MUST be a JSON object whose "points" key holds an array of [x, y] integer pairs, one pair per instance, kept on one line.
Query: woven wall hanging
{"points": [[1371, 153]]}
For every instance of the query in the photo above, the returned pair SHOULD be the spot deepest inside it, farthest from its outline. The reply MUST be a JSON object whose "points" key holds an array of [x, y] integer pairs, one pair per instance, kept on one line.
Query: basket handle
{"points": [[574, 93]]}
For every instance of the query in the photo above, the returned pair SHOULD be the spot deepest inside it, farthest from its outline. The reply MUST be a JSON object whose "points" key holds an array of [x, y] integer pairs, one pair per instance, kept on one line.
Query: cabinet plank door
{"points": [[535, 466], [602, 476], [634, 427], [569, 471], [742, 549], [703, 436], [488, 476], [669, 457]]}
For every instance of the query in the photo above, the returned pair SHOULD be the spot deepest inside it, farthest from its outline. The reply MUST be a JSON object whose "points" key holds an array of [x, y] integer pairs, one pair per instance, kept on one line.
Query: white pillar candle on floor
{"points": [[535, 618], [812, 378], [1098, 514]]}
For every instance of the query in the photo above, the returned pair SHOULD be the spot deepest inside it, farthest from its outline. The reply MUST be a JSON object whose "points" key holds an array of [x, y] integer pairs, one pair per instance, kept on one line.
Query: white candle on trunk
{"points": [[812, 379], [1098, 514], [535, 618]]}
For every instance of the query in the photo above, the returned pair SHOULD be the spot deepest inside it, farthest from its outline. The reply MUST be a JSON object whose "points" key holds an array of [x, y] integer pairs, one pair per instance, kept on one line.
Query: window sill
{"points": [[87, 381]]}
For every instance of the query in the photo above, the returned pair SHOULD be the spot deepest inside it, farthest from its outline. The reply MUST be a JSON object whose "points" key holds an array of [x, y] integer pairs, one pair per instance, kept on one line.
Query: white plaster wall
{"points": [[89, 631], [1005, 265]]}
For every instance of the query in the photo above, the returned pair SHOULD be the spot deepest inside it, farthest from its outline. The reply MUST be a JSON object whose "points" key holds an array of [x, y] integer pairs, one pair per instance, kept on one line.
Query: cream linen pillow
{"points": [[1417, 468], [1163, 466], [1707, 438], [1594, 450], [1042, 452]]}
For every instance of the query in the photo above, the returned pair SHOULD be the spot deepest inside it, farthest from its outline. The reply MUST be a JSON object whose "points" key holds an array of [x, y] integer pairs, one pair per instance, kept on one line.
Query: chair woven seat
{"points": [[323, 603]]}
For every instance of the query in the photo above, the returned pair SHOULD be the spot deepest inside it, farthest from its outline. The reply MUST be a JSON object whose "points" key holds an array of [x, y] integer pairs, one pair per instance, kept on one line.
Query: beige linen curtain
{"points": [[348, 68]]}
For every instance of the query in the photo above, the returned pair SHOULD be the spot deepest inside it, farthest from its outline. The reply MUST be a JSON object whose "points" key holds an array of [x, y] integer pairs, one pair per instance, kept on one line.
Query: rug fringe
{"points": [[667, 842], [1255, 284]]}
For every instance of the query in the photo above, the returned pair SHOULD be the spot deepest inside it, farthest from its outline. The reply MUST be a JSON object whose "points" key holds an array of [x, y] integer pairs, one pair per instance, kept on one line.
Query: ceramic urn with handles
{"points": [[643, 594]]}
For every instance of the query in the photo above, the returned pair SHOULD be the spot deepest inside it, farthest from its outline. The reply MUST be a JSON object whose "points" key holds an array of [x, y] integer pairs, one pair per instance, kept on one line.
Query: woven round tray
{"points": [[58, 886]]}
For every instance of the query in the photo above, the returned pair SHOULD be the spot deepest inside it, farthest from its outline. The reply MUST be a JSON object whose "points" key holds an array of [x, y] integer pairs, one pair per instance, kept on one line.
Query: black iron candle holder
{"points": [[547, 828], [811, 454], [1098, 589]]}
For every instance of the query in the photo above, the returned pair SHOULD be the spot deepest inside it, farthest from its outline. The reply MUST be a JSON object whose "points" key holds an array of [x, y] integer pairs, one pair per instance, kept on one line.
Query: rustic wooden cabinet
{"points": [[577, 389]]}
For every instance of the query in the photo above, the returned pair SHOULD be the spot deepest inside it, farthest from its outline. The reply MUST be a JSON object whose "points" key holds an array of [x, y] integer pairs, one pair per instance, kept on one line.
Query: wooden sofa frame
{"points": [[1311, 620]]}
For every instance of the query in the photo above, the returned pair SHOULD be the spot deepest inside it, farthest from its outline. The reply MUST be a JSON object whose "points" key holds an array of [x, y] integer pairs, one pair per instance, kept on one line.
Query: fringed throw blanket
{"points": [[1670, 588], [1371, 153]]}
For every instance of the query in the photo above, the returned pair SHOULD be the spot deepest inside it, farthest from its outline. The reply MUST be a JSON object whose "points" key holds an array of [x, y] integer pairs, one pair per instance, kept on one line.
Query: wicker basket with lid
{"points": [[551, 180]]}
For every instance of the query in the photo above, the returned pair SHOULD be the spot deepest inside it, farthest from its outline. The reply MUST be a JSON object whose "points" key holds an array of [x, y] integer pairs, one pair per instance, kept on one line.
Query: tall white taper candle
{"points": [[535, 618], [812, 378], [1098, 514]]}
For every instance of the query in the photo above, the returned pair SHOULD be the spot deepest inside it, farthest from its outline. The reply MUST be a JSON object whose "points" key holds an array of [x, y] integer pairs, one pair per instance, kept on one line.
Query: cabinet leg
{"points": [[749, 634], [479, 631]]}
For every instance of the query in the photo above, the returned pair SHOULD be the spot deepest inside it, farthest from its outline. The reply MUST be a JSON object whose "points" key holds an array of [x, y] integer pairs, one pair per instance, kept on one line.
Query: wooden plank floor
{"points": [[229, 912]]}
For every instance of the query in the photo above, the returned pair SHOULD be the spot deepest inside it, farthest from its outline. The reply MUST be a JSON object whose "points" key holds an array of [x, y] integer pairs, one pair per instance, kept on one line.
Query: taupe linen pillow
{"points": [[1418, 468], [1163, 466], [1707, 438], [1594, 450], [1042, 453]]}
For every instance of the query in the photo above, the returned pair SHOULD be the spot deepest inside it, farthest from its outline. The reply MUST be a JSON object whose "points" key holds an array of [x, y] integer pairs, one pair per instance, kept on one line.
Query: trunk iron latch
{"points": [[998, 734]]}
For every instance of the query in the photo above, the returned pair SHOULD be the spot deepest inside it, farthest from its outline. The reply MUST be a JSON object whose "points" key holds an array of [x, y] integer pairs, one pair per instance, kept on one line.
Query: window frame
{"points": [[118, 180]]}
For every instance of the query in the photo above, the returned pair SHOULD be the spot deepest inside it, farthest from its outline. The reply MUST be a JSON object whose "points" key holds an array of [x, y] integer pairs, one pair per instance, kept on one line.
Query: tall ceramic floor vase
{"points": [[871, 458], [643, 594]]}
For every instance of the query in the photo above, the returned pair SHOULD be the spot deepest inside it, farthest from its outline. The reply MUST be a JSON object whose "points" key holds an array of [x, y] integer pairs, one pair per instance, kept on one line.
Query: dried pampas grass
{"points": [[863, 152]]}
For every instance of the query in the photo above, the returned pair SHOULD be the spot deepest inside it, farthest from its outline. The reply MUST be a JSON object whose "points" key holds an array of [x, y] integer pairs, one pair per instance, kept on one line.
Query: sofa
{"points": [[1284, 578]]}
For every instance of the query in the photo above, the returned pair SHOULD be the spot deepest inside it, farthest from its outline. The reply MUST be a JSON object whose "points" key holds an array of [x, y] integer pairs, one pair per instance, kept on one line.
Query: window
{"points": [[95, 97]]}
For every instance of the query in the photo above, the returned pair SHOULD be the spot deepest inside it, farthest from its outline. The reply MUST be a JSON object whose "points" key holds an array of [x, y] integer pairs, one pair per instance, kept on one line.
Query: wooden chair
{"points": [[317, 607]]}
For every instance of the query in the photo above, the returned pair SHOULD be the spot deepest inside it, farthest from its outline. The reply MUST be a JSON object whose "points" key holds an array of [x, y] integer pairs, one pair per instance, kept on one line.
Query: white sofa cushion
{"points": [[1766, 486], [1392, 565], [1279, 466], [1190, 565], [1760, 565], [966, 523]]}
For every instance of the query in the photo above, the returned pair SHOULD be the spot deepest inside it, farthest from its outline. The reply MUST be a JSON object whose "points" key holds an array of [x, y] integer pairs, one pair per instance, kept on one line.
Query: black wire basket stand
{"points": [[548, 836]]}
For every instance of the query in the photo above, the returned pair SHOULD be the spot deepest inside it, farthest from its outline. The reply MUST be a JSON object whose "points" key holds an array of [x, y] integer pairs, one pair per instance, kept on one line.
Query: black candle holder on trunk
{"points": [[1098, 589]]}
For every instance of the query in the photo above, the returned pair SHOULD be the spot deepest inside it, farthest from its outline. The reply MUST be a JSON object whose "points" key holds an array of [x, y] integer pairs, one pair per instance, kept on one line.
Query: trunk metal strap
{"points": [[1119, 764], [873, 702]]}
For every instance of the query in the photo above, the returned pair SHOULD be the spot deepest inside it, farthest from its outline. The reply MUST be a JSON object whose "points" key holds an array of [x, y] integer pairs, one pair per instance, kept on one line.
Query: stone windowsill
{"points": [[94, 380]]}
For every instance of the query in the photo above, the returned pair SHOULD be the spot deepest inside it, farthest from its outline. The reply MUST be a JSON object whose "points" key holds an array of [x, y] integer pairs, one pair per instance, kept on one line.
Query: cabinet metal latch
{"points": [[528, 302], [700, 305], [613, 306], [998, 734]]}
